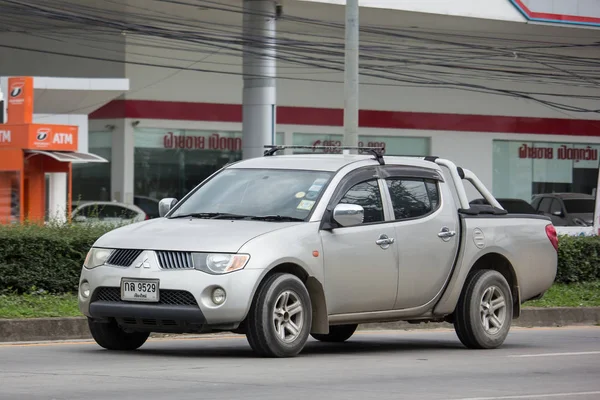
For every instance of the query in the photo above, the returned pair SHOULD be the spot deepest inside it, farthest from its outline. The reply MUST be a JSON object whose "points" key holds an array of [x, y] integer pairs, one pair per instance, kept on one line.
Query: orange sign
{"points": [[20, 100], [39, 137]]}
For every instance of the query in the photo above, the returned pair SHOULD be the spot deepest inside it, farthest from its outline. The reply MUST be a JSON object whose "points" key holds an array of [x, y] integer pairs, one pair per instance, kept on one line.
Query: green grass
{"points": [[585, 294], [38, 305], [44, 305]]}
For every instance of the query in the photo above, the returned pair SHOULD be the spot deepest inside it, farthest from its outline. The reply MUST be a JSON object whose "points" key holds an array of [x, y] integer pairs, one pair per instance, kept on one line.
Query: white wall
{"points": [[492, 9]]}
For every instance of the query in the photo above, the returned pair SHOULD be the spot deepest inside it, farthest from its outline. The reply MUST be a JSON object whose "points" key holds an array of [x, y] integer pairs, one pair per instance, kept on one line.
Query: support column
{"points": [[259, 69], [57, 197], [351, 76], [122, 162]]}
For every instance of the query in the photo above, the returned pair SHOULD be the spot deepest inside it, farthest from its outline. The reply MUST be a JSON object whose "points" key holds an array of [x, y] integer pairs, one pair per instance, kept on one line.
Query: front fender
{"points": [[297, 250]]}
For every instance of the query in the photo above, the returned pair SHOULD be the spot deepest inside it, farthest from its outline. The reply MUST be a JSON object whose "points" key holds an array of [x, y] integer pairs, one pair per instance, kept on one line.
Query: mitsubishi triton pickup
{"points": [[283, 247]]}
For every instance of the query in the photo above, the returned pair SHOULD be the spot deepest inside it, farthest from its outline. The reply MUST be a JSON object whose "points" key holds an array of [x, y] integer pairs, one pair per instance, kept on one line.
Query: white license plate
{"points": [[139, 290]]}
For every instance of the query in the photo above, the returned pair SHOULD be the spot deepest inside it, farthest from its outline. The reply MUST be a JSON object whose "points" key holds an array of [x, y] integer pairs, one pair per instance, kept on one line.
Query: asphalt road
{"points": [[539, 363]]}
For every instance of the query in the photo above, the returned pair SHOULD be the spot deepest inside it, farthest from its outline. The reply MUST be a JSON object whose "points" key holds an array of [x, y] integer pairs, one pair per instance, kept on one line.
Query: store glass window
{"points": [[91, 181], [524, 169], [394, 145], [171, 162]]}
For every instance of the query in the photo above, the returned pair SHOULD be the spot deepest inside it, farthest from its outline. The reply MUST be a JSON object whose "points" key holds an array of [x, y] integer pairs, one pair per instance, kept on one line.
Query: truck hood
{"points": [[202, 235]]}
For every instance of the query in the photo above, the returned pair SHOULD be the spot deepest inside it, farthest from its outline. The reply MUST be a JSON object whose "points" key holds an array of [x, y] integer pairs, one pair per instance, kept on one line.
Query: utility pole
{"points": [[351, 76], [259, 70]]}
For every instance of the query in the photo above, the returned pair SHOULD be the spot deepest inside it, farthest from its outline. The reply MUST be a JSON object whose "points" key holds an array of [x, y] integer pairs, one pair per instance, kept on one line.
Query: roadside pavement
{"points": [[44, 329]]}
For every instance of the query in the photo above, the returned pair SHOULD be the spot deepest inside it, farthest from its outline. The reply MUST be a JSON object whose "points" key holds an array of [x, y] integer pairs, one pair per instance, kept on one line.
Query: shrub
{"points": [[47, 258], [578, 259]]}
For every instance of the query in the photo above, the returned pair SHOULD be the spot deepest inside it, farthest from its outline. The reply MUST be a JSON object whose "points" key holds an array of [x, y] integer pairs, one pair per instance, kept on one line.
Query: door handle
{"points": [[446, 233], [384, 241]]}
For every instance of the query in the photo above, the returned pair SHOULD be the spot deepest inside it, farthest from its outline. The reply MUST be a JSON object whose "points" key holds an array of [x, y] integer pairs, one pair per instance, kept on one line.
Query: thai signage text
{"points": [[562, 153]]}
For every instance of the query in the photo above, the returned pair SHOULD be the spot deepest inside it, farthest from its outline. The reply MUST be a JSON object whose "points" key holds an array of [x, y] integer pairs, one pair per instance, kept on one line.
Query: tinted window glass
{"points": [[367, 195], [106, 211], [555, 206], [110, 211], [545, 204], [517, 206], [434, 195], [85, 211], [149, 206], [579, 206], [411, 198]]}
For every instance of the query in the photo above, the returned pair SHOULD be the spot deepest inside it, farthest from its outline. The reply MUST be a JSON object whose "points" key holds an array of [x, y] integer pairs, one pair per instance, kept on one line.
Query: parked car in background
{"points": [[111, 212], [148, 205], [282, 247], [512, 206], [566, 209]]}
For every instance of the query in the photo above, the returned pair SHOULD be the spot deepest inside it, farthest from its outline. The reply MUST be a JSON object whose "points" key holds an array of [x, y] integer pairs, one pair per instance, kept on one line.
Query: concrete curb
{"points": [[75, 328]]}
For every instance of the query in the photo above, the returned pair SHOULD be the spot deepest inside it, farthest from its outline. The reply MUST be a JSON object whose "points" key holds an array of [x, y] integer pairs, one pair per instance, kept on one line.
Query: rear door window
{"points": [[412, 198]]}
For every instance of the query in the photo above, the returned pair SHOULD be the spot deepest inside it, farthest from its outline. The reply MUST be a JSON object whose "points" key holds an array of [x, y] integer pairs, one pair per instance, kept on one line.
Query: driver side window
{"points": [[367, 195]]}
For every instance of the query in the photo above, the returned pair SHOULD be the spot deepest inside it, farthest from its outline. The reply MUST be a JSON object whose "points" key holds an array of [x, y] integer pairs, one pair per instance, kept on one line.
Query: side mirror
{"points": [[348, 214], [80, 218], [165, 205]]}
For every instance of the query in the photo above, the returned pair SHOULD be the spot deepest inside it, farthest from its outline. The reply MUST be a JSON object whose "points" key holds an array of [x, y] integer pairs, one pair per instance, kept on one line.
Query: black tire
{"points": [[262, 330], [337, 333], [112, 337], [471, 309]]}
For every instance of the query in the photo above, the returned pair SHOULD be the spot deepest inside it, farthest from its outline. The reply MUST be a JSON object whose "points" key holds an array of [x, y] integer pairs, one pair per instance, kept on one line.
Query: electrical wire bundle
{"points": [[312, 50]]}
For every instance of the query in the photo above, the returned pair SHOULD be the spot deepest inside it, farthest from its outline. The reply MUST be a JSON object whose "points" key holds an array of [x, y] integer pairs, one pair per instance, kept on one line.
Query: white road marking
{"points": [[580, 353], [532, 396]]}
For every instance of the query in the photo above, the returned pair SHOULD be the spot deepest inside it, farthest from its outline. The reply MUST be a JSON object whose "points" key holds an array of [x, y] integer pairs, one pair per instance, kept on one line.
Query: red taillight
{"points": [[551, 232]]}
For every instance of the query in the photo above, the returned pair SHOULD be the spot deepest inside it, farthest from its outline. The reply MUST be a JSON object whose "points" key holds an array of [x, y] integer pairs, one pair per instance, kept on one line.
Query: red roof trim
{"points": [[555, 17], [210, 112]]}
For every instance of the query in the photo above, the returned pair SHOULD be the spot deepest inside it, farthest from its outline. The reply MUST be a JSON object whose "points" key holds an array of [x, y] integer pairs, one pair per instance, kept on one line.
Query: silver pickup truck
{"points": [[281, 247]]}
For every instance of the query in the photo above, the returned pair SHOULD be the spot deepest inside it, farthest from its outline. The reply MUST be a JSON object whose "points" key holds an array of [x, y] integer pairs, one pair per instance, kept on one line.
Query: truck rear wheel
{"points": [[112, 337], [337, 333], [484, 311], [280, 317]]}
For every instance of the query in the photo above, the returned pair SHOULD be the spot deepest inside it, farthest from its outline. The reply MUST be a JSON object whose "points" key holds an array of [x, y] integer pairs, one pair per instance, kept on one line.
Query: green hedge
{"points": [[49, 258], [45, 258], [578, 259]]}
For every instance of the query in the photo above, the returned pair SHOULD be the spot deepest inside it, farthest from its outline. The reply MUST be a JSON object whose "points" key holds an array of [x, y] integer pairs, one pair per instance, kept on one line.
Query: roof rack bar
{"points": [[376, 151]]}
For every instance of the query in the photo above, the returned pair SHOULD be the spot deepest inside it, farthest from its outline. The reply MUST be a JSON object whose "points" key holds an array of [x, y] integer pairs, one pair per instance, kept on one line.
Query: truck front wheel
{"points": [[280, 317], [112, 337], [484, 311]]}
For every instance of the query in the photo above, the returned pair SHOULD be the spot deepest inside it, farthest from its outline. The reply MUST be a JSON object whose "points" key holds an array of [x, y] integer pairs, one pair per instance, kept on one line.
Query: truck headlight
{"points": [[96, 257], [217, 263]]}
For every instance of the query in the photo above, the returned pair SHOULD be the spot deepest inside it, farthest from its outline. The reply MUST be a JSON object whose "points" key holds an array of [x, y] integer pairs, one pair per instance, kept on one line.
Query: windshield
{"points": [[579, 206], [257, 193]]}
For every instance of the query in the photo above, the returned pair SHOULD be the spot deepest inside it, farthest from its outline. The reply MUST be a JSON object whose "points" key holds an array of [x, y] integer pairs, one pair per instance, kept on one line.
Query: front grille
{"points": [[169, 297], [123, 257], [175, 260]]}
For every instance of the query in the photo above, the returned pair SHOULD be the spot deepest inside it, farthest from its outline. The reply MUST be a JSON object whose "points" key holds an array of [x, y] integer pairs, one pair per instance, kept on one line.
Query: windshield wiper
{"points": [[213, 215], [277, 218]]}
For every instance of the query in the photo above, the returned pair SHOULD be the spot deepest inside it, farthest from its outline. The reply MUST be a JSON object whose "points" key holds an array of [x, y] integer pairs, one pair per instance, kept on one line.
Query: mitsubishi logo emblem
{"points": [[144, 263]]}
